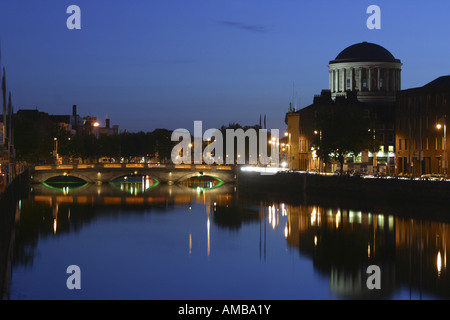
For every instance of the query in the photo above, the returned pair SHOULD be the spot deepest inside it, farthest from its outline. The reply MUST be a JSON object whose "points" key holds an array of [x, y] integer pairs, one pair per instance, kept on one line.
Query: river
{"points": [[136, 240]]}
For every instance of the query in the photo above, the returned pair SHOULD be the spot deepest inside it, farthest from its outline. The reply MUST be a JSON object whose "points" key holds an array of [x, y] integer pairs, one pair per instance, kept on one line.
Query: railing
{"points": [[132, 166]]}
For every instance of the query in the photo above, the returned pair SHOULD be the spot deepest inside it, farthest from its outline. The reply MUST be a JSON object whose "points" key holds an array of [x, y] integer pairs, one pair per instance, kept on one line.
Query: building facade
{"points": [[421, 129]]}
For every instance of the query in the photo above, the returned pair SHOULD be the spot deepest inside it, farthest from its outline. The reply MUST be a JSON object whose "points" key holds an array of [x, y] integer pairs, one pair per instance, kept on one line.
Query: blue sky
{"points": [[166, 63]]}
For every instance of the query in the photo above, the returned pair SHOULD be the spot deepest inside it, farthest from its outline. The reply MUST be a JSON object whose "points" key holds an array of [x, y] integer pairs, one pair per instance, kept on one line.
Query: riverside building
{"points": [[366, 74]]}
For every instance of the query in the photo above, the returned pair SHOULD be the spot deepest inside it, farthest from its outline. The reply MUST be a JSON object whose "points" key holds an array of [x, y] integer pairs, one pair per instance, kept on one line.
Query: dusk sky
{"points": [[151, 64]]}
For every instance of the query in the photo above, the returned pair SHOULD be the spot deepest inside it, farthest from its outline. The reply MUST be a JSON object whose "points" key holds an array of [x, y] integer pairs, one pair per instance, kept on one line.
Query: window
{"points": [[348, 83], [302, 145], [399, 144], [390, 138]]}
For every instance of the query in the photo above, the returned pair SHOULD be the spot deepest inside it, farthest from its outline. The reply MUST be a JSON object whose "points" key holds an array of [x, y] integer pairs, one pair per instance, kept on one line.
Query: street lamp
{"points": [[444, 142]]}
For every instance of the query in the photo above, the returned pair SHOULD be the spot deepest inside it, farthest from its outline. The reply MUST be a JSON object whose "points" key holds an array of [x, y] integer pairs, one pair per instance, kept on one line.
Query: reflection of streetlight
{"points": [[439, 263], [444, 142]]}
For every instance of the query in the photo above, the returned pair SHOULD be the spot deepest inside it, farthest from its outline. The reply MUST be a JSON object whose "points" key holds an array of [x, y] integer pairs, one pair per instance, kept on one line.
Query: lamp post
{"points": [[320, 143], [444, 142], [288, 134], [56, 150]]}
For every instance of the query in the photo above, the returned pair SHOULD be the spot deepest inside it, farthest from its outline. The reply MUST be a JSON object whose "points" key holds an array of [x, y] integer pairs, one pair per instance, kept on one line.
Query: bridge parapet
{"points": [[102, 166]]}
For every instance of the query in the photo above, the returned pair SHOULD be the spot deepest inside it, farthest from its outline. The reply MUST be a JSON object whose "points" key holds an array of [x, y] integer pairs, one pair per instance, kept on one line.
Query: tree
{"points": [[341, 131]]}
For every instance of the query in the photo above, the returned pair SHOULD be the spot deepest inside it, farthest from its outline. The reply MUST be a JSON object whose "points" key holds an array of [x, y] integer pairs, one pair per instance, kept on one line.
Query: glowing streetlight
{"points": [[444, 142]]}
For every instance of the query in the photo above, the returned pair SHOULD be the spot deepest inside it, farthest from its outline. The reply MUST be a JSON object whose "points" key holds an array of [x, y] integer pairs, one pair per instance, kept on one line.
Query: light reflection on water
{"points": [[174, 242]]}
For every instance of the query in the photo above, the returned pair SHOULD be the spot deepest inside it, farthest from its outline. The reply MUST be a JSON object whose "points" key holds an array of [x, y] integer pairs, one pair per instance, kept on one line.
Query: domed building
{"points": [[367, 68], [365, 75]]}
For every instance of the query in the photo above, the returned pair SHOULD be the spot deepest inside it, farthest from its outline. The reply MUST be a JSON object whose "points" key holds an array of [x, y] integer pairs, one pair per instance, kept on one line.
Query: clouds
{"points": [[244, 26]]}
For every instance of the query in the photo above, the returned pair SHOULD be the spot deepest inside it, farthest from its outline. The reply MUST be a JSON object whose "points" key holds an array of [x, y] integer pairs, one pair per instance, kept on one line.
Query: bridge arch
{"points": [[50, 175]]}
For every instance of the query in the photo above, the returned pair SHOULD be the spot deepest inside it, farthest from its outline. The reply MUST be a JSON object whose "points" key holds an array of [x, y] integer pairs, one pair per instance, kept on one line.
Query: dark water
{"points": [[147, 241]]}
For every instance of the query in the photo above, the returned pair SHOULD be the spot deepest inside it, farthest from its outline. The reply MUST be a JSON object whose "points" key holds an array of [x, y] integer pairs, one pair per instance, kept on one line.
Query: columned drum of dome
{"points": [[367, 68]]}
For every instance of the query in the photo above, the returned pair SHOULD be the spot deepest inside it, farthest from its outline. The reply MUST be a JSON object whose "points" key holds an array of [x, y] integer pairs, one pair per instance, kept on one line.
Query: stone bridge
{"points": [[104, 173]]}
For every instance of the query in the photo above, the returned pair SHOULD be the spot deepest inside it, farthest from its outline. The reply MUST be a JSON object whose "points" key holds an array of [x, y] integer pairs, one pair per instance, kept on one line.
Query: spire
{"points": [[4, 104], [9, 118]]}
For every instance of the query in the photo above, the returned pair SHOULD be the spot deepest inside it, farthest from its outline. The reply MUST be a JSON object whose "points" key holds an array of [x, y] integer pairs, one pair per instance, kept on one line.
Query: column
{"points": [[344, 80], [330, 84], [386, 79], [352, 79], [369, 80], [394, 79], [360, 79], [336, 80], [378, 79], [399, 79]]}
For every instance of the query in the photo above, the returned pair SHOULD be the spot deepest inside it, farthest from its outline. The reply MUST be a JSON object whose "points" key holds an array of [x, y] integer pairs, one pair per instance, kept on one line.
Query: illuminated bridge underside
{"points": [[104, 173]]}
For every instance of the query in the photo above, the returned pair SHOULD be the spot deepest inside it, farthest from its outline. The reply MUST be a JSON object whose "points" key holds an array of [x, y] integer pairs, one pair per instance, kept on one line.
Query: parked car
{"points": [[433, 176]]}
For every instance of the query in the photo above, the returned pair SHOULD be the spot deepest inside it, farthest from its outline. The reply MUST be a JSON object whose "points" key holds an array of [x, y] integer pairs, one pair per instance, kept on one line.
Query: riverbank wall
{"points": [[392, 189], [17, 189]]}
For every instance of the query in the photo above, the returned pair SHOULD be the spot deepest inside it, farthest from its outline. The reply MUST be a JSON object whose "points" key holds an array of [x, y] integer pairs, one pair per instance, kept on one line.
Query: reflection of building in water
{"points": [[342, 243], [64, 209], [424, 244], [10, 213]]}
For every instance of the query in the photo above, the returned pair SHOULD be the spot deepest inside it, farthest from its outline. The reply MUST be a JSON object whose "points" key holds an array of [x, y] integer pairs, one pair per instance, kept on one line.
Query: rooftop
{"points": [[365, 52]]}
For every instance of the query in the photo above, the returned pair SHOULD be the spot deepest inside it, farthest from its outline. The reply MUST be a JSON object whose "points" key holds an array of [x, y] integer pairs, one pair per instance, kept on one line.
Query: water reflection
{"points": [[135, 184], [340, 241], [65, 183], [202, 182]]}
